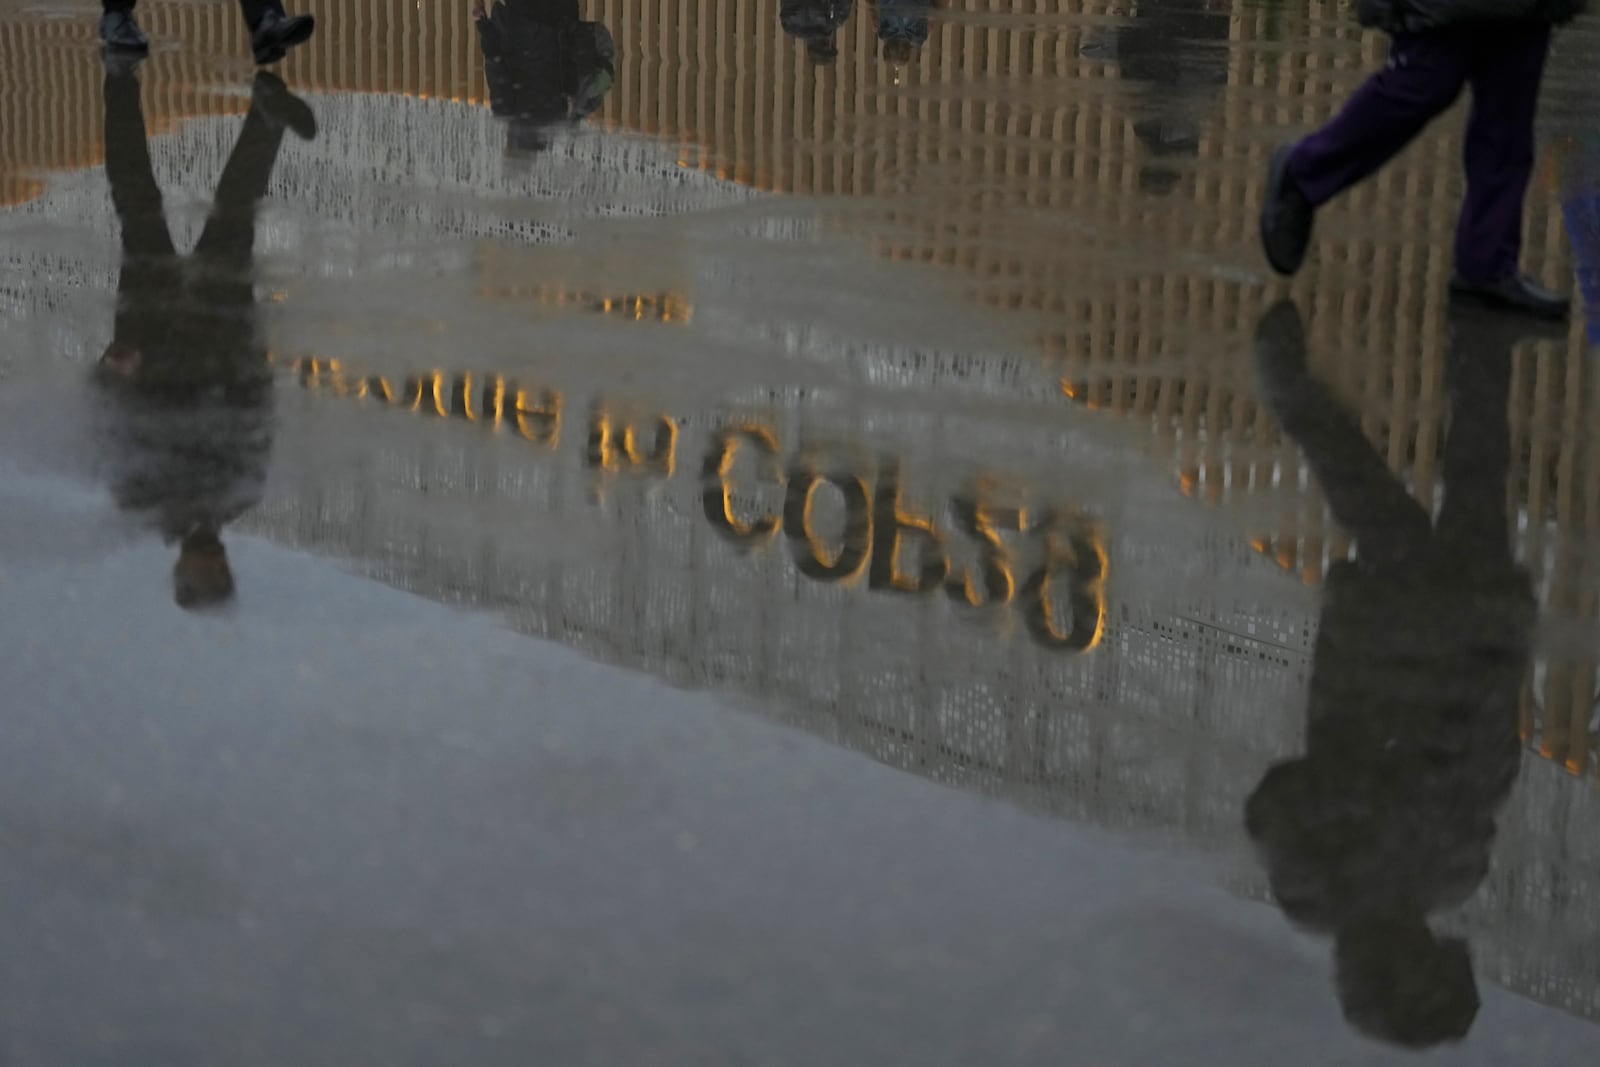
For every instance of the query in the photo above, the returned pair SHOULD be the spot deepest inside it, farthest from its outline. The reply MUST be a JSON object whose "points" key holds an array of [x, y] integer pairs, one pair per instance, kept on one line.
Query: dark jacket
{"points": [[1420, 16], [188, 436], [544, 65], [1411, 746]]}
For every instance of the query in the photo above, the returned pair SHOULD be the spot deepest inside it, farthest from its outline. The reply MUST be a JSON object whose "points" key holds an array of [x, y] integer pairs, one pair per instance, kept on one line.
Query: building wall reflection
{"points": [[1141, 336]]}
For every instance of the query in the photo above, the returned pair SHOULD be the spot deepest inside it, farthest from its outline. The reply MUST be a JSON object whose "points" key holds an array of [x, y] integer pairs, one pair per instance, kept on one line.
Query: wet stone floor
{"points": [[742, 532]]}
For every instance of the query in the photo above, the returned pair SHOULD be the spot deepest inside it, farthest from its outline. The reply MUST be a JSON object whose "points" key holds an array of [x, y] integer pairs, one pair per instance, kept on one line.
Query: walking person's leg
{"points": [[134, 192], [228, 240], [223, 289], [118, 30], [272, 31], [227, 243], [148, 275], [1423, 76], [1473, 525], [1389, 527], [1508, 65]]}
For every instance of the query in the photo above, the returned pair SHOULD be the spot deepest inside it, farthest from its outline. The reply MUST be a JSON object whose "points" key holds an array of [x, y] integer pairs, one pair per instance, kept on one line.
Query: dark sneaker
{"points": [[1286, 217], [275, 34], [1517, 294], [281, 108], [119, 33]]}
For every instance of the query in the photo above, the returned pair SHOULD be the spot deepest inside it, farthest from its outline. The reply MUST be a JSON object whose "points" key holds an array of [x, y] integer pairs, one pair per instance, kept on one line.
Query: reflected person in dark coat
{"points": [[546, 67], [1174, 53], [1412, 739], [185, 385], [817, 23], [903, 28]]}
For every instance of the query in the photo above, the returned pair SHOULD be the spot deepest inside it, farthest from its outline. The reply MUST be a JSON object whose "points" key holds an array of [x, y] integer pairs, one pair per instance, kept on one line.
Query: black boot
{"points": [[1518, 294], [1286, 217], [119, 33], [281, 108], [276, 33]]}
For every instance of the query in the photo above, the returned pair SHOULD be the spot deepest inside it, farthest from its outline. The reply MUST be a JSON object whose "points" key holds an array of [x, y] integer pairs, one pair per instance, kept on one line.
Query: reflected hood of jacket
{"points": [[808, 19]]}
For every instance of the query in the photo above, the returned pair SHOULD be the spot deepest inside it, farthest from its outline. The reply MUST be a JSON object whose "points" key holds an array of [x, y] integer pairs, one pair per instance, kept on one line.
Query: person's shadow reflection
{"points": [[1174, 53], [187, 388], [1411, 735], [546, 67]]}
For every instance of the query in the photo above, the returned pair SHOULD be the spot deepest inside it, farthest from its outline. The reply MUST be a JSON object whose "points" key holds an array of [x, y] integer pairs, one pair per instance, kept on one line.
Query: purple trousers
{"points": [[1424, 76]]}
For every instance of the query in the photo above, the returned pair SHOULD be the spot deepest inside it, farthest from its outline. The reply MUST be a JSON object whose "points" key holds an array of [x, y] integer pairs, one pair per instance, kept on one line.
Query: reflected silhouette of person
{"points": [[1412, 737], [546, 67], [902, 29], [1174, 54], [185, 382], [816, 23]]}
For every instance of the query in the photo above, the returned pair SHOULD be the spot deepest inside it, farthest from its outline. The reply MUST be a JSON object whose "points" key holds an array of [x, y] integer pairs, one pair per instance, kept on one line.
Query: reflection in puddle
{"points": [[885, 500], [1411, 740], [187, 394]]}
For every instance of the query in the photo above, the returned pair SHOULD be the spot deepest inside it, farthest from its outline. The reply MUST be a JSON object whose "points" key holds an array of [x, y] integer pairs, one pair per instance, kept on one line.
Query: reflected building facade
{"points": [[1040, 209]]}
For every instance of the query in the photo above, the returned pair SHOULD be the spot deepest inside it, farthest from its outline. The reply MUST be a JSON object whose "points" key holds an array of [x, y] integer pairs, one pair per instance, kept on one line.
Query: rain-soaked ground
{"points": [[820, 563]]}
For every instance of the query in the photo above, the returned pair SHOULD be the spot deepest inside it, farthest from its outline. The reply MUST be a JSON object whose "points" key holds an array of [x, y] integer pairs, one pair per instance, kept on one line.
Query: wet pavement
{"points": [[821, 562]]}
